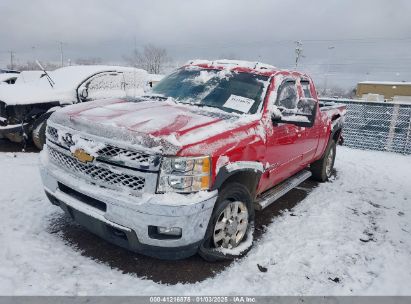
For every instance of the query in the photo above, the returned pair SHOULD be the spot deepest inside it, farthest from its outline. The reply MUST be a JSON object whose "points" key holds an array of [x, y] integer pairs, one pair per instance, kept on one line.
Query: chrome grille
{"points": [[95, 173], [110, 153], [113, 152], [52, 132]]}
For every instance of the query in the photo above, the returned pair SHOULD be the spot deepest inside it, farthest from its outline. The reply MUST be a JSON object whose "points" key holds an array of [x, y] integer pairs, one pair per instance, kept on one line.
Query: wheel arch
{"points": [[248, 176], [44, 116]]}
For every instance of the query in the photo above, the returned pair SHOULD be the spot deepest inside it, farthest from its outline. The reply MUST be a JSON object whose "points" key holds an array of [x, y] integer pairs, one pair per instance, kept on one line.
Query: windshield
{"points": [[230, 91]]}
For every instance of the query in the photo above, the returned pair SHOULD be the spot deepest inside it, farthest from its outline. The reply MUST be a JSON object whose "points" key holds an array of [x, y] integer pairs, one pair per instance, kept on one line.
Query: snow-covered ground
{"points": [[355, 230]]}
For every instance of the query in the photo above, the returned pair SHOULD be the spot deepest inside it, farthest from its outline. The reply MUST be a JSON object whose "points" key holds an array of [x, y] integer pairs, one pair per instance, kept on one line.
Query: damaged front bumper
{"points": [[130, 221], [7, 131]]}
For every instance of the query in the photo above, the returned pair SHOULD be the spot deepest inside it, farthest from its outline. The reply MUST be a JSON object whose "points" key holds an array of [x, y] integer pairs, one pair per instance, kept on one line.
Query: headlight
{"points": [[184, 174]]}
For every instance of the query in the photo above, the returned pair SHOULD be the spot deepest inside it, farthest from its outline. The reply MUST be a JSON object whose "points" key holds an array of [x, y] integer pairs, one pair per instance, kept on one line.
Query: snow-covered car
{"points": [[8, 76], [28, 76], [25, 107], [182, 169], [153, 79]]}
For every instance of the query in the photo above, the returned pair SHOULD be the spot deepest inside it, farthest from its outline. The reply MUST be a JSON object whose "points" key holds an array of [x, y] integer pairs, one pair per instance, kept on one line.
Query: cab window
{"points": [[305, 84], [288, 95]]}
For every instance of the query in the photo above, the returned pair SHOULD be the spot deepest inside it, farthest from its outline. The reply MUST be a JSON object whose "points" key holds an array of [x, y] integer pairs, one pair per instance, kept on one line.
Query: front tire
{"points": [[322, 169], [230, 226]]}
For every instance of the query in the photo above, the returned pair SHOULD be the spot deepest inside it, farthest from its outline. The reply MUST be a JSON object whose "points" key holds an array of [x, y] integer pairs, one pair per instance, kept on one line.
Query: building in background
{"points": [[384, 91]]}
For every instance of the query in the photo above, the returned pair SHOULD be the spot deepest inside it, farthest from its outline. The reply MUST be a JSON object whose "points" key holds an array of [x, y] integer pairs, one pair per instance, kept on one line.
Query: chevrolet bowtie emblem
{"points": [[83, 156]]}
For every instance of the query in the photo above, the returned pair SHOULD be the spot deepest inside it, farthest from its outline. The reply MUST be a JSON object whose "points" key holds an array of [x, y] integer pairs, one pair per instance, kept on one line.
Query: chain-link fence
{"points": [[377, 126]]}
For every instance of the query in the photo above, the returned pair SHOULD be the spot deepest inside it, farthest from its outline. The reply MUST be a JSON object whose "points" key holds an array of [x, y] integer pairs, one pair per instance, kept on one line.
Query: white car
{"points": [[8, 76], [25, 107]]}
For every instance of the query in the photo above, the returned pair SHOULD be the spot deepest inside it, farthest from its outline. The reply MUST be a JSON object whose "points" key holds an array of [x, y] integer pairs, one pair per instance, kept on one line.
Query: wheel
{"points": [[229, 232], [322, 169], [38, 135]]}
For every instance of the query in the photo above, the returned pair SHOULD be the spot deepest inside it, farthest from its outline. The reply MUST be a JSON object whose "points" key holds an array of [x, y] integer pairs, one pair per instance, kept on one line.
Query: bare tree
{"points": [[32, 66], [153, 59], [336, 91], [89, 61]]}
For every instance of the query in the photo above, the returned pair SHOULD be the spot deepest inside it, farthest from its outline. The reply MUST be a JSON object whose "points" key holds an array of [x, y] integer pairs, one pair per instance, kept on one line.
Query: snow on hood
{"points": [[163, 126], [32, 93], [28, 76]]}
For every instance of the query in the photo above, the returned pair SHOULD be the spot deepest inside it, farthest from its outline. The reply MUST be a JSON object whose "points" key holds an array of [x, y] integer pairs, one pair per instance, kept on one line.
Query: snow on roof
{"points": [[72, 75], [28, 76], [393, 83], [230, 64]]}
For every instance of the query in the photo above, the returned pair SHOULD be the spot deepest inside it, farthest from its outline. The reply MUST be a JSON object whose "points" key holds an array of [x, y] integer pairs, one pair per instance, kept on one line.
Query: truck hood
{"points": [[164, 126]]}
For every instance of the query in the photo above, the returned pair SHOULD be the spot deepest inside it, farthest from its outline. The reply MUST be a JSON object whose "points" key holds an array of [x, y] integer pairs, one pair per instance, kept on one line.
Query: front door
{"points": [[283, 152], [102, 85]]}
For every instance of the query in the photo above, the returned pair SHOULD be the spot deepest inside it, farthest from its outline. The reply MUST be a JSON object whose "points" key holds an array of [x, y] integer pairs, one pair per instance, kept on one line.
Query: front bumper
{"points": [[11, 129], [125, 219]]}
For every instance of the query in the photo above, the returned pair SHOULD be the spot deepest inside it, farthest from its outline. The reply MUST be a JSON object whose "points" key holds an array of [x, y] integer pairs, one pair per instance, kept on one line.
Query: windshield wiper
{"points": [[49, 79], [155, 97], [199, 104]]}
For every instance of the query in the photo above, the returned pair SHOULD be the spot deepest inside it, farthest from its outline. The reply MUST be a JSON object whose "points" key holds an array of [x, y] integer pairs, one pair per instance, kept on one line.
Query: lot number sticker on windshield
{"points": [[239, 103]]}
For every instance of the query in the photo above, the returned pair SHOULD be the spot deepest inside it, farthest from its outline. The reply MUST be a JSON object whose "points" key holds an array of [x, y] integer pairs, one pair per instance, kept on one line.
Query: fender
{"points": [[44, 116], [248, 172], [336, 128]]}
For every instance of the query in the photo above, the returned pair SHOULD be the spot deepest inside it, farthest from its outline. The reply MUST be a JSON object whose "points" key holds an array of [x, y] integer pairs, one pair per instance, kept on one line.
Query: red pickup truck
{"points": [[182, 169]]}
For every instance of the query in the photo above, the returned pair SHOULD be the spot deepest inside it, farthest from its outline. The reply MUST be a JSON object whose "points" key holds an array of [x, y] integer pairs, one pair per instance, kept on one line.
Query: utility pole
{"points": [[11, 60], [298, 52], [330, 48], [61, 53]]}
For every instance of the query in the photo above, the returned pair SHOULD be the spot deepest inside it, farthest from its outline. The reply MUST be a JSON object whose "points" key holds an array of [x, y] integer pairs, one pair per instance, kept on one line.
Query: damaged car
{"points": [[25, 107]]}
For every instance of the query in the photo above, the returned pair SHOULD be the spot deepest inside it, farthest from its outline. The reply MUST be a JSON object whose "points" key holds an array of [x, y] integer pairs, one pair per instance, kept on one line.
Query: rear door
{"points": [[309, 136]]}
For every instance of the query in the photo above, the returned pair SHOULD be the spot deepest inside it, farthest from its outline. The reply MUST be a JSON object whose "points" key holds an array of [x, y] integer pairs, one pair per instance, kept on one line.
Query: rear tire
{"points": [[322, 169], [235, 226], [38, 134]]}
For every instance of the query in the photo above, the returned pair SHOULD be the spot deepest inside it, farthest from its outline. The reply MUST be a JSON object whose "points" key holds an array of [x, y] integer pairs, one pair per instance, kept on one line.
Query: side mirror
{"points": [[302, 115], [276, 117], [306, 106]]}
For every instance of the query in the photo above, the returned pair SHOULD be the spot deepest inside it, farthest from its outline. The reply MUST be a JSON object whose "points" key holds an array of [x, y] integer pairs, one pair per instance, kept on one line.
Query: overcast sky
{"points": [[349, 40]]}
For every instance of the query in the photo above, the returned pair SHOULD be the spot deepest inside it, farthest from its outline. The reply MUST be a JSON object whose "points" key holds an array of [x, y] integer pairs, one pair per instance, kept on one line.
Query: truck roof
{"points": [[254, 67]]}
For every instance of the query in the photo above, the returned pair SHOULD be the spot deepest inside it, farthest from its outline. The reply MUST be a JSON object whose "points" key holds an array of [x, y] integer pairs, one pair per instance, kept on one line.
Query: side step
{"points": [[270, 196]]}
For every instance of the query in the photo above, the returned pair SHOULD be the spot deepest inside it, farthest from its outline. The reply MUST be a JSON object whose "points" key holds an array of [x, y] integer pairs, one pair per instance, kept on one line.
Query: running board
{"points": [[270, 196]]}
